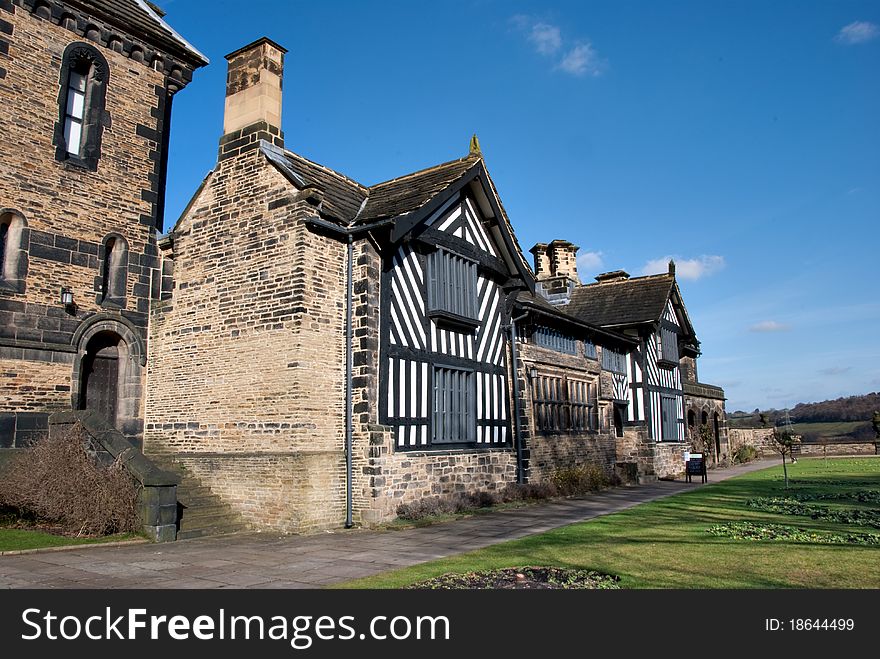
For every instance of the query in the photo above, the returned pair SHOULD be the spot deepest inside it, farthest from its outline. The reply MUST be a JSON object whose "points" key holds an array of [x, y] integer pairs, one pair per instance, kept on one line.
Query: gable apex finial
{"points": [[672, 267], [475, 146]]}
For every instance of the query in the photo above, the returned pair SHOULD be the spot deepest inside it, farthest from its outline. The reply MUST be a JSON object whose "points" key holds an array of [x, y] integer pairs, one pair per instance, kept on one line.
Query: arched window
{"points": [[13, 251], [81, 118], [114, 271]]}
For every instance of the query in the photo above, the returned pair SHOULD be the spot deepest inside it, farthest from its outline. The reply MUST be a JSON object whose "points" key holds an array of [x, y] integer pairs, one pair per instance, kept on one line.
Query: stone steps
{"points": [[200, 512]]}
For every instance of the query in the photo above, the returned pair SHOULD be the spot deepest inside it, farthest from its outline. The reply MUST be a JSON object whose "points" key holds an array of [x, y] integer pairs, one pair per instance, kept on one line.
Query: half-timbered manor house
{"points": [[309, 351], [325, 350]]}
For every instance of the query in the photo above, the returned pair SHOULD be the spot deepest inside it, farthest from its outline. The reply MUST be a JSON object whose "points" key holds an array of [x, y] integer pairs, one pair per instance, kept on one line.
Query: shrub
{"points": [[528, 491], [745, 453], [575, 481], [56, 481]]}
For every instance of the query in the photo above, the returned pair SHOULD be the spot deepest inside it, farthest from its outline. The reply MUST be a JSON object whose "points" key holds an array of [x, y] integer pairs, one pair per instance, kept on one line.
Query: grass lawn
{"points": [[664, 544], [18, 539]]}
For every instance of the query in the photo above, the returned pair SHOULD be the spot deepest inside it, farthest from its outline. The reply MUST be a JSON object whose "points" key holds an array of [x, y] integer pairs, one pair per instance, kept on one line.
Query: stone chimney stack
{"points": [[558, 259], [542, 261], [556, 270], [253, 96], [563, 259]]}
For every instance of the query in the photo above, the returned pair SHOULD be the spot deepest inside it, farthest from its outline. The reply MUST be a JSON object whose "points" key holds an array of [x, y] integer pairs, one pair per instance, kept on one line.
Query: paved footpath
{"points": [[263, 560]]}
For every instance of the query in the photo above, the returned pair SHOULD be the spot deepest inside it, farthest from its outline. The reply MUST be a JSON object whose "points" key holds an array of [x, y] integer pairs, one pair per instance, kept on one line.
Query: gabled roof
{"points": [[624, 302], [535, 303], [628, 302], [142, 19], [407, 200], [410, 192], [343, 197]]}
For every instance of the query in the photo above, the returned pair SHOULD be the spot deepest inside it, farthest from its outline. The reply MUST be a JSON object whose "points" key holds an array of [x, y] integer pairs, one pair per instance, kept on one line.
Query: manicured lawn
{"points": [[18, 539], [665, 544]]}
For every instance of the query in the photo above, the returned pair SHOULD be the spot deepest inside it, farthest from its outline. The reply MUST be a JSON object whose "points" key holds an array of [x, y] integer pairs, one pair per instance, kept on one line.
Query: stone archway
{"points": [[103, 367], [108, 372]]}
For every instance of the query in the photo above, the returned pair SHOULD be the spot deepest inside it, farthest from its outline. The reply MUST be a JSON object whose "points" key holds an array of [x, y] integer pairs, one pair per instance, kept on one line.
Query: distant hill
{"points": [[842, 417]]}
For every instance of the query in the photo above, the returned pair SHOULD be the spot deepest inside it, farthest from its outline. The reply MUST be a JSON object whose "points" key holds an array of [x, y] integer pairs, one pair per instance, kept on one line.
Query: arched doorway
{"points": [[717, 435], [618, 420], [100, 374]]}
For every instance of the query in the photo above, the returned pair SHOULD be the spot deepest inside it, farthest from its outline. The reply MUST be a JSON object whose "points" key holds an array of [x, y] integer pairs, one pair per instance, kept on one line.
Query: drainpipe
{"points": [[349, 233], [348, 393], [517, 430]]}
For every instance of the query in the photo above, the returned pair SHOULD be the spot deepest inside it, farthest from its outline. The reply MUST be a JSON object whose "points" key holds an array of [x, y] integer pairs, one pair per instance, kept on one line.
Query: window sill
{"points": [[667, 364], [451, 449], [453, 320]]}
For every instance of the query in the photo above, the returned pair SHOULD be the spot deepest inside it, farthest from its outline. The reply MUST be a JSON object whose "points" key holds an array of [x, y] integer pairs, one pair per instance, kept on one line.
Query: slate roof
{"points": [[626, 302], [412, 191], [343, 197], [141, 19], [348, 202], [529, 300]]}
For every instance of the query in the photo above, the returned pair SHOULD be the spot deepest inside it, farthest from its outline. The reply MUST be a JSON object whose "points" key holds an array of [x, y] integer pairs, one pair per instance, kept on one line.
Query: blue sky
{"points": [[742, 138]]}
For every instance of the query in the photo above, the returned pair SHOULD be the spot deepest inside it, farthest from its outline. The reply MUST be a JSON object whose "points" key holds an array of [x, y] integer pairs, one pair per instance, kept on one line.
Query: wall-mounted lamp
{"points": [[67, 299], [533, 373]]}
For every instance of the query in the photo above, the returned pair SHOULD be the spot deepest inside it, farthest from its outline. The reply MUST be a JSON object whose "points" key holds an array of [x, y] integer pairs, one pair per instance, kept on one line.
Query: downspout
{"points": [[517, 430], [348, 388], [349, 232]]}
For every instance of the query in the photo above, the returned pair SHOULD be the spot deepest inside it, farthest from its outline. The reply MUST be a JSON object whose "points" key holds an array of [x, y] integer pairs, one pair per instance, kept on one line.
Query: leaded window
{"points": [[589, 349], [454, 413], [668, 345], [612, 360], [452, 285], [563, 405], [81, 113], [669, 418], [555, 340]]}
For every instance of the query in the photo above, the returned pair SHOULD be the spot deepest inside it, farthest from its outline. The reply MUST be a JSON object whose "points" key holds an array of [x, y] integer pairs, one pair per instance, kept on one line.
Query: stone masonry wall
{"points": [[669, 459], [290, 492], [247, 344], [838, 448], [404, 477], [759, 438], [548, 453], [69, 210]]}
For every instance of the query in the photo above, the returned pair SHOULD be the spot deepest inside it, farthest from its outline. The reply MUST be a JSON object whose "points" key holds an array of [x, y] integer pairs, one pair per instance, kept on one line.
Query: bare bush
{"points": [[575, 481], [56, 481]]}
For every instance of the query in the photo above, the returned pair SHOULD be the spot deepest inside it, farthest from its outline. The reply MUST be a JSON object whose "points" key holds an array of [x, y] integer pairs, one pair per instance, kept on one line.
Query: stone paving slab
{"points": [[265, 560]]}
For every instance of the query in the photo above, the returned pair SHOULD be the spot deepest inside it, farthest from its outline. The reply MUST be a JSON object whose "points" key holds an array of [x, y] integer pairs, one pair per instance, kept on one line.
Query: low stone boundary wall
{"points": [[839, 448], [158, 494]]}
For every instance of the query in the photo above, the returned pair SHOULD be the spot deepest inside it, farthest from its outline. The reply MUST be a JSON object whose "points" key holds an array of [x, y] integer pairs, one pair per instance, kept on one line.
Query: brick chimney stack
{"points": [[253, 97]]}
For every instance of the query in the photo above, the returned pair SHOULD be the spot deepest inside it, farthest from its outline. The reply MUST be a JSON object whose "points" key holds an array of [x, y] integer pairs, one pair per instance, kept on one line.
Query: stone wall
{"points": [[248, 345], [697, 407], [407, 476], [549, 452], [287, 492], [669, 459], [67, 210], [759, 438], [839, 448]]}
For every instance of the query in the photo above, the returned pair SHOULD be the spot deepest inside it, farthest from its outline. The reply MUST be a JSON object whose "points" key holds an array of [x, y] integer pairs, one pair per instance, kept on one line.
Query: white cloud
{"points": [[580, 60], [769, 326], [857, 32], [692, 269], [589, 261], [546, 38]]}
